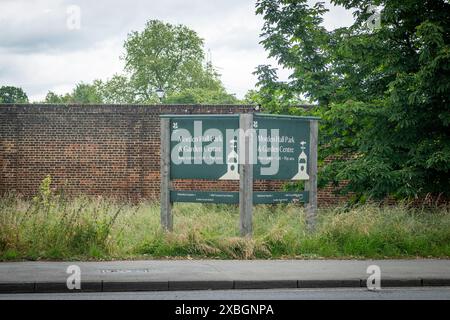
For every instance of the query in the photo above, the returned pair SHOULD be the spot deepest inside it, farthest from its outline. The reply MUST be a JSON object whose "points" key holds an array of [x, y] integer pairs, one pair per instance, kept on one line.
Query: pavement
{"points": [[176, 275]]}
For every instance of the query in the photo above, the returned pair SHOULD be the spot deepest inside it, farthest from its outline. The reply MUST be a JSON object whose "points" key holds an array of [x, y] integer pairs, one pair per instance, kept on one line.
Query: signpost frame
{"points": [[246, 175]]}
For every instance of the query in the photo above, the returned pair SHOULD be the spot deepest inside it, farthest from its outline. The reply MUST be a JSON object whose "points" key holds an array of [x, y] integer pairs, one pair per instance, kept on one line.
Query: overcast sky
{"points": [[39, 52]]}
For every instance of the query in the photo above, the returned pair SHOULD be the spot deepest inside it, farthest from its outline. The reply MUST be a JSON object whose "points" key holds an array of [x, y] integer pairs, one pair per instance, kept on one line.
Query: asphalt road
{"points": [[424, 293]]}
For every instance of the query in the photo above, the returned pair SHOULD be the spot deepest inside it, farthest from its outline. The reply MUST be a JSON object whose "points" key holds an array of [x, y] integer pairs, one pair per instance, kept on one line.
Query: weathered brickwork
{"points": [[109, 150]]}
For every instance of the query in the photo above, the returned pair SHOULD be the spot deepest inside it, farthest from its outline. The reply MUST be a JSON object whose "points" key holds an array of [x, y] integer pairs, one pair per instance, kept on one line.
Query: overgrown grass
{"points": [[50, 227]]}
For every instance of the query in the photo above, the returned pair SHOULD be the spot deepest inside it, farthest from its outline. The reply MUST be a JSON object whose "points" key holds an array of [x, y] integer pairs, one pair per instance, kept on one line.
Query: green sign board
{"points": [[282, 148], [204, 196], [262, 197], [198, 145], [208, 147], [267, 197]]}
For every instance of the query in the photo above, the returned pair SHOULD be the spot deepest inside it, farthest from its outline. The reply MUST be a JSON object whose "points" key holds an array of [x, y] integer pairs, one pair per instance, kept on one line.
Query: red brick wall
{"points": [[109, 150]]}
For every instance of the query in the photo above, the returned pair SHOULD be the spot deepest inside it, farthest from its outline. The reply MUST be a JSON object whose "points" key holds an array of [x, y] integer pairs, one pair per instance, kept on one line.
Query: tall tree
{"points": [[164, 56], [383, 93], [10, 94], [168, 57]]}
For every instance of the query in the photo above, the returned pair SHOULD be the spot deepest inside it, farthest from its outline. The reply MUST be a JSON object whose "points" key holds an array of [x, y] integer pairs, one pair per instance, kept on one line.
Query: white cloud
{"points": [[39, 53]]}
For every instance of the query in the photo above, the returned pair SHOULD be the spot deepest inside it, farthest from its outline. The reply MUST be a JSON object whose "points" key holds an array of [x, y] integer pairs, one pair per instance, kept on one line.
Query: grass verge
{"points": [[52, 228]]}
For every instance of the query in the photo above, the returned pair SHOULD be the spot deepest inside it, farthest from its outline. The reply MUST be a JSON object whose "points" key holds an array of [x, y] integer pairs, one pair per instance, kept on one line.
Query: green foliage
{"points": [[44, 198], [52, 97], [9, 94], [118, 89], [86, 93], [82, 94], [169, 57], [201, 96], [383, 94], [163, 56]]}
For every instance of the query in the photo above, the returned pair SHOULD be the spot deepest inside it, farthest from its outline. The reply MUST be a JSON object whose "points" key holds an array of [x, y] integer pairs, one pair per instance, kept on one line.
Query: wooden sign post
{"points": [[311, 184], [246, 179], [241, 147], [166, 204]]}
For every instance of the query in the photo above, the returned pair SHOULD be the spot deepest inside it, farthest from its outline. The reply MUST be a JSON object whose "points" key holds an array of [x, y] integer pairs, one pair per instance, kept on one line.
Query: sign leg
{"points": [[166, 205], [246, 178], [311, 184]]}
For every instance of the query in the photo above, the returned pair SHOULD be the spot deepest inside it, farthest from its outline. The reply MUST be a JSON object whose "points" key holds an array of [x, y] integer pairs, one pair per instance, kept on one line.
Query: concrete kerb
{"points": [[265, 284], [61, 287], [348, 283], [121, 286], [436, 282], [25, 287], [201, 285]]}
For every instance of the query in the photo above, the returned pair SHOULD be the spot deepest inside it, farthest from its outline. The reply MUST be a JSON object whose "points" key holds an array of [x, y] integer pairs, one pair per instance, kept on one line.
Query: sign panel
{"points": [[262, 197], [198, 146], [208, 147], [282, 146], [205, 196], [268, 197]]}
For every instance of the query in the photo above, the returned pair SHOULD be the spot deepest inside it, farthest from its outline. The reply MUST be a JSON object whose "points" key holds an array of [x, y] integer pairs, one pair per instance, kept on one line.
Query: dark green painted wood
{"points": [[292, 131], [270, 197], [192, 170], [261, 197], [205, 196]]}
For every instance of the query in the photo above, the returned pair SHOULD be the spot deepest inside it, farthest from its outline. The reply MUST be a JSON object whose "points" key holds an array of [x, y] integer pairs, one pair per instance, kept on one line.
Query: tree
{"points": [[168, 57], [383, 93], [81, 94], [164, 56], [118, 89], [52, 97], [209, 90], [201, 96], [10, 94], [86, 93]]}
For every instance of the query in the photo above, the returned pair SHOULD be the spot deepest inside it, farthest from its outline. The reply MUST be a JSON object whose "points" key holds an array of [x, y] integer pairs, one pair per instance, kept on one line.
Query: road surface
{"points": [[423, 293]]}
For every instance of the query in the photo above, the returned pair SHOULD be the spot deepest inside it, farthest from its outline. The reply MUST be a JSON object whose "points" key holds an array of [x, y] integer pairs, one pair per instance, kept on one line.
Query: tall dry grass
{"points": [[52, 227]]}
